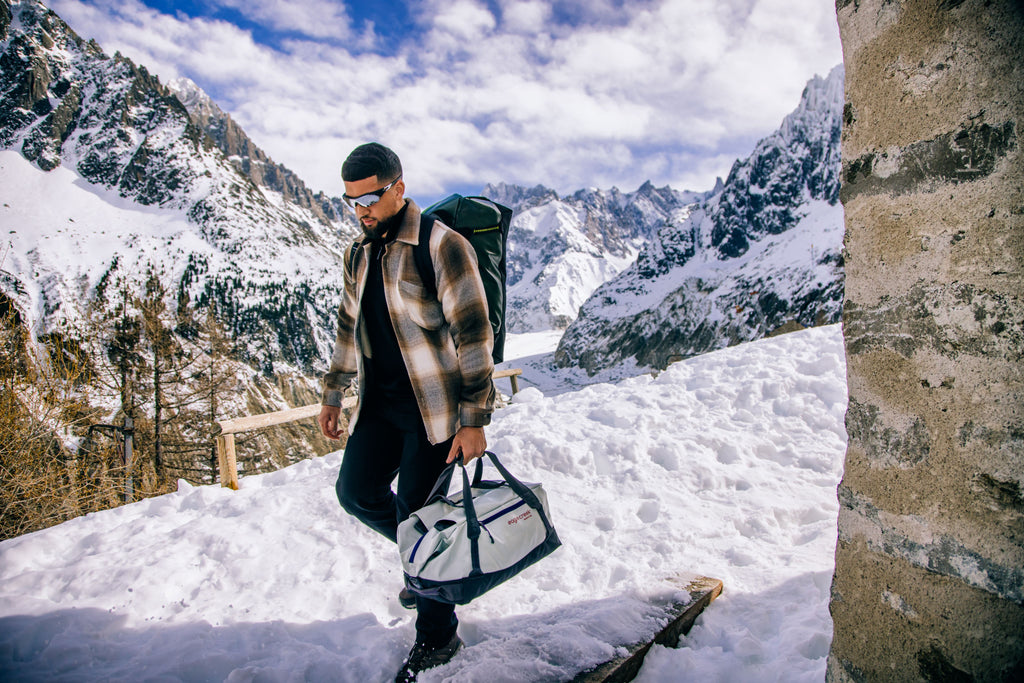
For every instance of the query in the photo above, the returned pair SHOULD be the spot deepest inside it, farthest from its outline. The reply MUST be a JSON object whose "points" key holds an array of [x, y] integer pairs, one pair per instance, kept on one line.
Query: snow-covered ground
{"points": [[724, 465]]}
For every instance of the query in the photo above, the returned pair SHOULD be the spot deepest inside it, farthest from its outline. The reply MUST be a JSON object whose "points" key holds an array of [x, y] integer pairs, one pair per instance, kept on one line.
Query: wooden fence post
{"points": [[226, 461]]}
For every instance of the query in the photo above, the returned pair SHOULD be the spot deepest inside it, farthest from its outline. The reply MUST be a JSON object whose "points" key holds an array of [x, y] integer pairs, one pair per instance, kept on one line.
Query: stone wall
{"points": [[929, 579]]}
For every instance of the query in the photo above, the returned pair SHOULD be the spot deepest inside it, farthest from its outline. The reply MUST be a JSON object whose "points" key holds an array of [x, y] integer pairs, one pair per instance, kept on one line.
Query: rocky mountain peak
{"points": [[759, 253], [517, 197], [797, 163], [62, 99], [248, 158], [562, 248]]}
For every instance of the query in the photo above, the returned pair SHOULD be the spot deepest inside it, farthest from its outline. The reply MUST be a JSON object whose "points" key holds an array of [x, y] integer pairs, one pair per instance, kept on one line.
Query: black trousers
{"points": [[389, 440]]}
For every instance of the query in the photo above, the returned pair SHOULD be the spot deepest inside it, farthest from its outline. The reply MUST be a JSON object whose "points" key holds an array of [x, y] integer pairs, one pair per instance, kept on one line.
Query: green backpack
{"points": [[485, 224]]}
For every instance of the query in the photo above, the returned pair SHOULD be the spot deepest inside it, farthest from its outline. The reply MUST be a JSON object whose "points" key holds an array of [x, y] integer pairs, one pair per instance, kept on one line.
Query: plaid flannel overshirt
{"points": [[446, 340]]}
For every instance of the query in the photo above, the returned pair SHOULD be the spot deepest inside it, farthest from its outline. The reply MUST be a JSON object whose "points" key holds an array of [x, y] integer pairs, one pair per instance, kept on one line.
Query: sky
{"points": [[568, 94], [724, 465]]}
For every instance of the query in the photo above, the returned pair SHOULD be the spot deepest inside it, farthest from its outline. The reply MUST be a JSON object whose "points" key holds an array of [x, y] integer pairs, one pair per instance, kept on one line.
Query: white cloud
{"points": [[670, 91], [464, 20], [313, 18], [527, 17]]}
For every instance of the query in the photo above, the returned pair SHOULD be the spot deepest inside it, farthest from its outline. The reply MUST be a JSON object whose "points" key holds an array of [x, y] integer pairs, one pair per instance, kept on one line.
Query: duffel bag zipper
{"points": [[496, 515]]}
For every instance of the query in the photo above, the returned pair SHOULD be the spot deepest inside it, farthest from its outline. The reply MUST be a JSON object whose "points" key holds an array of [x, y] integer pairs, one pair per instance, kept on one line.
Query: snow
{"points": [[561, 249], [724, 465], [44, 239], [565, 266], [792, 259]]}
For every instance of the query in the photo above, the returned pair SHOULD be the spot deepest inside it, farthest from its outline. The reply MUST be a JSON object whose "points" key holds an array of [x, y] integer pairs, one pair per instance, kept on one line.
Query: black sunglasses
{"points": [[370, 198]]}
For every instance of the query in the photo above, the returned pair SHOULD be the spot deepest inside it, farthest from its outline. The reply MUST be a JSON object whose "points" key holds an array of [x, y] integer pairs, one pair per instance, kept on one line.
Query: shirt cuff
{"points": [[331, 397], [470, 416]]}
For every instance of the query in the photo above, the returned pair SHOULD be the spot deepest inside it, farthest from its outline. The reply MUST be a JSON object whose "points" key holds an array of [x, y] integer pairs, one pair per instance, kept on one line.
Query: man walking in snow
{"points": [[423, 363]]}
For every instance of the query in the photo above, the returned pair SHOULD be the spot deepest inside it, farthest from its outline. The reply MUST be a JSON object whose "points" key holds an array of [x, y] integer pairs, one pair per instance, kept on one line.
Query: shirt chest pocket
{"points": [[423, 307]]}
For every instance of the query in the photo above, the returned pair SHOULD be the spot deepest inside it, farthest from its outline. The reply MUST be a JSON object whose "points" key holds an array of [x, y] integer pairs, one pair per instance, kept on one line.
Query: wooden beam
{"points": [[512, 374], [251, 422], [224, 431], [702, 590]]}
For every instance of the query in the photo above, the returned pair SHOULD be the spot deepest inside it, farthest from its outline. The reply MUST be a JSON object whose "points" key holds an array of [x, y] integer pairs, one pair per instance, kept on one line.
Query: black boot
{"points": [[423, 657]]}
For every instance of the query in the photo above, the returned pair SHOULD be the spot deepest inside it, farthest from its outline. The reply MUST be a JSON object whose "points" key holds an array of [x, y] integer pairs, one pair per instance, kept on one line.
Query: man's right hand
{"points": [[329, 422]]}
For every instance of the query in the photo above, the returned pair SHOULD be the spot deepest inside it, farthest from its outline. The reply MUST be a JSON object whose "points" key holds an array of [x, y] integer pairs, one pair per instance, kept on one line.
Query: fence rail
{"points": [[224, 430]]}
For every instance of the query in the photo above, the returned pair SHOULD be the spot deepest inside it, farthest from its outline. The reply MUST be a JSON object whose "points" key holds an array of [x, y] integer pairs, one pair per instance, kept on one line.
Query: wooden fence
{"points": [[224, 431]]}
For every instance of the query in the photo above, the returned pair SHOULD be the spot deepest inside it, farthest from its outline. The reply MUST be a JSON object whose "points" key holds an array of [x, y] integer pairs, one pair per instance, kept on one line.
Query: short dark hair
{"points": [[371, 159]]}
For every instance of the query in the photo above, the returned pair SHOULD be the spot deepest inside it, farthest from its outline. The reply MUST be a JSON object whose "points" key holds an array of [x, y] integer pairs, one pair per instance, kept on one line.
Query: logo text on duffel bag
{"points": [[519, 518]]}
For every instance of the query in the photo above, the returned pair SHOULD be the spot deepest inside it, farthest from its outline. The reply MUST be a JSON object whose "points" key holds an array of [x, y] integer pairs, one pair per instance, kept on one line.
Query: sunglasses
{"points": [[370, 198]]}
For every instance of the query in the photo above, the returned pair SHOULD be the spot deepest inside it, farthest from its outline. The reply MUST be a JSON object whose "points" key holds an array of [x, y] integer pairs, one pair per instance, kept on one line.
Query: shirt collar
{"points": [[409, 230]]}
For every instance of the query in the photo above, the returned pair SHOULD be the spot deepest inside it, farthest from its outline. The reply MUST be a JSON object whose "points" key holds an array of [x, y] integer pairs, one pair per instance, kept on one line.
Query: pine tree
{"points": [[163, 352], [112, 334]]}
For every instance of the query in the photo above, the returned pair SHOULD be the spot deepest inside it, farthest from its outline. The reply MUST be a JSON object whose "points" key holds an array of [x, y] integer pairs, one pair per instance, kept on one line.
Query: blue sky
{"points": [[563, 93]]}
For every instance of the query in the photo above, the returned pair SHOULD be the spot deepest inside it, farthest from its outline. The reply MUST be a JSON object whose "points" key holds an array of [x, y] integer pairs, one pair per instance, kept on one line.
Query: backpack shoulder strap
{"points": [[421, 254], [353, 254]]}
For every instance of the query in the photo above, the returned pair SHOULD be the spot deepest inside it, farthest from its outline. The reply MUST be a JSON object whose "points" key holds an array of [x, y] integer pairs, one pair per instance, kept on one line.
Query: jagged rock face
{"points": [[63, 97], [762, 253], [800, 162], [63, 102], [5, 18], [562, 248], [249, 159]]}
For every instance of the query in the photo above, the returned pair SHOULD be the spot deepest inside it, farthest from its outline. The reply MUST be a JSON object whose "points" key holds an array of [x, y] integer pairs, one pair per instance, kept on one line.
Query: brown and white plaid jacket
{"points": [[446, 340]]}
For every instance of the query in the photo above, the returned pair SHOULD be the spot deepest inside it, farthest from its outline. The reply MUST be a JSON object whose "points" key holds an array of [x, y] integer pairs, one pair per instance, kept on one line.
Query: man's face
{"points": [[371, 218]]}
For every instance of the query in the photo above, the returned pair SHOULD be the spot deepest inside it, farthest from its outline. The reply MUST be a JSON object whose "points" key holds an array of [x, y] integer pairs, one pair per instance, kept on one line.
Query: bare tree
{"points": [[43, 410]]}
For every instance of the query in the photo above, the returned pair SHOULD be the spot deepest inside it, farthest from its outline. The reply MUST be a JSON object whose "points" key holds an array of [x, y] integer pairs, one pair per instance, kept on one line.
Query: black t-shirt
{"points": [[387, 377]]}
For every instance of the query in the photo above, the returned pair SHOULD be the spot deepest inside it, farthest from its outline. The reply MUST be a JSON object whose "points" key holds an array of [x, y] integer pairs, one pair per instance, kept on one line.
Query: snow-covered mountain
{"points": [[562, 248], [219, 223], [249, 238], [763, 253]]}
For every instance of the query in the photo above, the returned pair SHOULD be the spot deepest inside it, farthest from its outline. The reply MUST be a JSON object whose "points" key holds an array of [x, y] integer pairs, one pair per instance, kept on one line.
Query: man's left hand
{"points": [[470, 442]]}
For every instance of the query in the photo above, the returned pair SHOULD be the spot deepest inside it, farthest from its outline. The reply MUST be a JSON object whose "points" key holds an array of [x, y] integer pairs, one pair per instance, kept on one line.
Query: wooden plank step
{"points": [[702, 590]]}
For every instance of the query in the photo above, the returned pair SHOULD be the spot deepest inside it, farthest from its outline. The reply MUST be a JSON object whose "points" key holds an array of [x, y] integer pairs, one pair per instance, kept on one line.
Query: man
{"points": [[423, 364]]}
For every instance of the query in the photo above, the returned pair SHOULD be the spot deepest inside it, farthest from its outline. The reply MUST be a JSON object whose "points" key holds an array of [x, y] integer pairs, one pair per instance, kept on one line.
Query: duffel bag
{"points": [[456, 548]]}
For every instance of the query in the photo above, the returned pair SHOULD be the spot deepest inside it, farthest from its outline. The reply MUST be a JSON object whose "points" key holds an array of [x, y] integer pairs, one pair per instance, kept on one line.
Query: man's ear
{"points": [[400, 188]]}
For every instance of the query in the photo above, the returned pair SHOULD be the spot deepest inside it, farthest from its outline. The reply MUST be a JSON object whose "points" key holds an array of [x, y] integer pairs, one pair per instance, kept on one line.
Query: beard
{"points": [[382, 228]]}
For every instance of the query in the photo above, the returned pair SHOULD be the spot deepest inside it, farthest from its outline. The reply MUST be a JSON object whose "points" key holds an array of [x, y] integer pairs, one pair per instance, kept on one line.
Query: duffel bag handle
{"points": [[472, 523], [521, 489], [444, 480], [440, 491]]}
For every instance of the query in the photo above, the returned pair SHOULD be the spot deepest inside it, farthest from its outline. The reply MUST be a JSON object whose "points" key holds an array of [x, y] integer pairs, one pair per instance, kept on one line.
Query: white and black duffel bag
{"points": [[455, 548]]}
